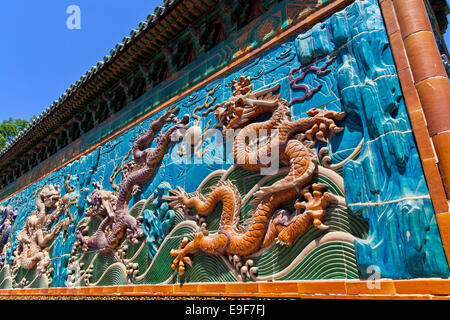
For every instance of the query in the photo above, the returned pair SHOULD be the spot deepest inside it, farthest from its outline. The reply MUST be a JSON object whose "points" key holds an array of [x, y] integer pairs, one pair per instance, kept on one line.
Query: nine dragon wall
{"points": [[385, 189]]}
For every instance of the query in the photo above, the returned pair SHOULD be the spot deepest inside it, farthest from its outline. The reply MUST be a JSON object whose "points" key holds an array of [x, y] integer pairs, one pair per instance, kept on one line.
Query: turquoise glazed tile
{"points": [[411, 243]]}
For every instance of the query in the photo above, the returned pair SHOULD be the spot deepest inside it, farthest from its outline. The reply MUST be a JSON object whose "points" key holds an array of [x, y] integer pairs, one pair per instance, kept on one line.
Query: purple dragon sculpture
{"points": [[320, 71], [110, 206], [8, 218]]}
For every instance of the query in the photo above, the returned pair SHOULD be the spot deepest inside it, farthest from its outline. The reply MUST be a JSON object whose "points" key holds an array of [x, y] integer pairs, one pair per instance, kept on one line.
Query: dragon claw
{"points": [[315, 204], [319, 225], [180, 257], [172, 111], [175, 199], [326, 119]]}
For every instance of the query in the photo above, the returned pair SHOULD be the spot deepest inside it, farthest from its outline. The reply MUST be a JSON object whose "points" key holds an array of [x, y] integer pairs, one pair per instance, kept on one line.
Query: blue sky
{"points": [[41, 57]]}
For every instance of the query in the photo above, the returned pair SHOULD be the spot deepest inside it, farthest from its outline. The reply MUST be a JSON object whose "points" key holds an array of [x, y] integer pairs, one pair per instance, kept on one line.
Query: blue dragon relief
{"points": [[158, 220], [81, 177]]}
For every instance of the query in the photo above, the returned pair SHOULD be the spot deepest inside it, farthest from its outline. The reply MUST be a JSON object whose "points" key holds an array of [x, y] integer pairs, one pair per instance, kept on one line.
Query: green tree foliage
{"points": [[10, 128]]}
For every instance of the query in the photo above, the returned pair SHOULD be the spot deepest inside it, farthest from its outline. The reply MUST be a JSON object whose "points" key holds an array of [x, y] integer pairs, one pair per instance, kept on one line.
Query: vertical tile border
{"points": [[429, 75], [419, 67]]}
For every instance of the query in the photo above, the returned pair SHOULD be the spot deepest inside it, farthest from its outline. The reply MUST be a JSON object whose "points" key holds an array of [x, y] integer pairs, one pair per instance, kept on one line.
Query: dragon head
{"points": [[245, 105], [8, 214], [179, 128], [50, 195], [96, 201], [230, 114]]}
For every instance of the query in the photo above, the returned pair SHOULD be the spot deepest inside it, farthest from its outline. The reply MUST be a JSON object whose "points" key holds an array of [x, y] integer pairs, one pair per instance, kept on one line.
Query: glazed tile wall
{"points": [[388, 213]]}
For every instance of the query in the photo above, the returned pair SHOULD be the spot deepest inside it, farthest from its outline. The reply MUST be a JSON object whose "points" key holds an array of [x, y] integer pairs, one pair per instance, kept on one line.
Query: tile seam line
{"points": [[388, 133], [440, 132], [404, 38], [380, 203], [245, 56], [438, 76]]}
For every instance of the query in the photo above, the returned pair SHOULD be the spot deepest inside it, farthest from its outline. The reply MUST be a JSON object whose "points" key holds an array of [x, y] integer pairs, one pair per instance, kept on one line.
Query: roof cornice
{"points": [[146, 41]]}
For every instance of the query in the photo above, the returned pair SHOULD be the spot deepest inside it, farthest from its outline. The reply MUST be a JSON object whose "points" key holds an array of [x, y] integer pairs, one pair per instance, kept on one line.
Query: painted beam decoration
{"points": [[299, 164]]}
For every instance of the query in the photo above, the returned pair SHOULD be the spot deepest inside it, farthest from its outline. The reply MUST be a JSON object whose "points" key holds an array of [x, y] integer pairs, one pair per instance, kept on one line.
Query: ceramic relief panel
{"points": [[349, 196]]}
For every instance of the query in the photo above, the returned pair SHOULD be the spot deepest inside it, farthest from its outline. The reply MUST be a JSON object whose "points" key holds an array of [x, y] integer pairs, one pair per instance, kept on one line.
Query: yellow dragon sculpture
{"points": [[295, 146]]}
